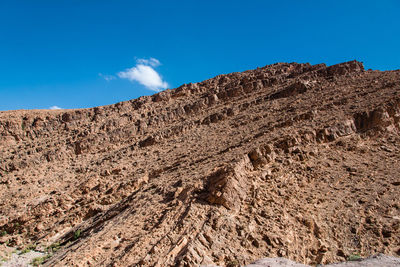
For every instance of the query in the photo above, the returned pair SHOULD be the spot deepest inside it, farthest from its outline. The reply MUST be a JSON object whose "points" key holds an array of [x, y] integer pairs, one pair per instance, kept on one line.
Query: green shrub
{"points": [[354, 257], [39, 260], [53, 247], [77, 234], [27, 249]]}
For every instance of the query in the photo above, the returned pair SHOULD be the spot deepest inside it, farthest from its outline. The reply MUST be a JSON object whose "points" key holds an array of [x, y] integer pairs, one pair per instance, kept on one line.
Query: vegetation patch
{"points": [[77, 234], [354, 257], [40, 260], [27, 249], [53, 248]]}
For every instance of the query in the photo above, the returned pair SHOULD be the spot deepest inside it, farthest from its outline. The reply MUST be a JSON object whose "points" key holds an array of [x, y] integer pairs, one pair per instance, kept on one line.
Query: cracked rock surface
{"points": [[290, 160]]}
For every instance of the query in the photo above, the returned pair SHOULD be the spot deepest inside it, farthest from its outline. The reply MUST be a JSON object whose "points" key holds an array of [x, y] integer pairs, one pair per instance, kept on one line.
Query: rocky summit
{"points": [[289, 160]]}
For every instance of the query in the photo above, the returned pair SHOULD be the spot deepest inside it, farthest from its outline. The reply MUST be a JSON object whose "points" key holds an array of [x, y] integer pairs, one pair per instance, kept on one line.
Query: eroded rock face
{"points": [[228, 186], [289, 160]]}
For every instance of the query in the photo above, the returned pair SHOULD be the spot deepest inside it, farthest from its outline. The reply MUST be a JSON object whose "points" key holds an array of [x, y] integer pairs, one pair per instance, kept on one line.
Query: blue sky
{"points": [[79, 54]]}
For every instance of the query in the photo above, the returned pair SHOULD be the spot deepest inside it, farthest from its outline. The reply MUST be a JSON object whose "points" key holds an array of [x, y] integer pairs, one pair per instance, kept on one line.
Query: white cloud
{"points": [[145, 74], [151, 62], [107, 77], [54, 107]]}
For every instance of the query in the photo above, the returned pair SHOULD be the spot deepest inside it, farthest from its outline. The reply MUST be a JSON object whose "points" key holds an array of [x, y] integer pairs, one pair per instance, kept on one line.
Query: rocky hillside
{"points": [[291, 160]]}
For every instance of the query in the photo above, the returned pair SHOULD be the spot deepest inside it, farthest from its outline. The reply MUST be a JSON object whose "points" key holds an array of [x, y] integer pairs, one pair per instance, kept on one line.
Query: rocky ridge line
{"points": [[287, 160]]}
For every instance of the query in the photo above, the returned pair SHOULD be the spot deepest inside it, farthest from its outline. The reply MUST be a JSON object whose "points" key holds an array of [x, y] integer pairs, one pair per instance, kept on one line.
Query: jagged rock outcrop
{"points": [[291, 160]]}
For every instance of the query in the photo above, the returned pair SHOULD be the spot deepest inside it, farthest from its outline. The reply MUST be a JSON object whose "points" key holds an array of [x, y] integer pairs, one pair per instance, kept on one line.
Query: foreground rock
{"points": [[379, 260], [290, 160], [276, 262], [18, 259]]}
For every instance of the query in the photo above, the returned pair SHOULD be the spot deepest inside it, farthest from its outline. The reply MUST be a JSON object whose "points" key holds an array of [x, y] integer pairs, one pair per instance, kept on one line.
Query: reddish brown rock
{"points": [[289, 160]]}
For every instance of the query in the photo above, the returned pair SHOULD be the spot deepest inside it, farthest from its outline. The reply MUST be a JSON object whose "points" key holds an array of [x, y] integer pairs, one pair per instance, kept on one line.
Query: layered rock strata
{"points": [[289, 160]]}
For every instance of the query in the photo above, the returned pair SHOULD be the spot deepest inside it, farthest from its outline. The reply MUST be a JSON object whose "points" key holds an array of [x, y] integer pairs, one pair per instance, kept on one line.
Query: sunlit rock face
{"points": [[290, 160]]}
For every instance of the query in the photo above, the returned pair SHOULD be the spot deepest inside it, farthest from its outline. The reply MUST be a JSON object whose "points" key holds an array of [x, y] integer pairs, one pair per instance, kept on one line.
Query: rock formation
{"points": [[290, 160]]}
